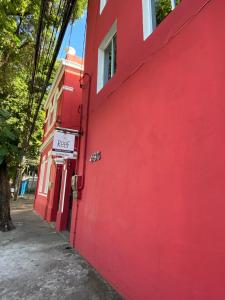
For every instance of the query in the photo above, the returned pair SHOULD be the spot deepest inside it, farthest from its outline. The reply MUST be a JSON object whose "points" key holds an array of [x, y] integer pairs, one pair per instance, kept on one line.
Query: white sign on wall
{"points": [[63, 144]]}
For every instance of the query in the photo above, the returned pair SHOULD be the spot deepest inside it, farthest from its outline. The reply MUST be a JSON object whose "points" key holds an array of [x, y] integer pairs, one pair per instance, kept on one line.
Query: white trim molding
{"points": [[64, 63], [102, 5], [149, 16], [68, 88], [72, 64], [43, 195], [59, 160], [55, 83], [64, 189], [47, 142], [173, 4], [48, 172], [41, 174], [101, 55]]}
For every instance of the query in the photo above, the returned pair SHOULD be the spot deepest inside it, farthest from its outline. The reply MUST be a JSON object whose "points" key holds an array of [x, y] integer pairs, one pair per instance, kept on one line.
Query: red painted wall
{"points": [[41, 200], [70, 113], [67, 116], [151, 217]]}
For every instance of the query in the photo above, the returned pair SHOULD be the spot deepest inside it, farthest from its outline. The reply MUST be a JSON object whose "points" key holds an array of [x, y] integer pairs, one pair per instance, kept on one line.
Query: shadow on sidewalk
{"points": [[37, 263]]}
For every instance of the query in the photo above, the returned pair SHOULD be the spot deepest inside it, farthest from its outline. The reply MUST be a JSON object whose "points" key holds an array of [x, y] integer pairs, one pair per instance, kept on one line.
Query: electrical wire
{"points": [[70, 34], [38, 43], [53, 35], [70, 5], [46, 28], [84, 46]]}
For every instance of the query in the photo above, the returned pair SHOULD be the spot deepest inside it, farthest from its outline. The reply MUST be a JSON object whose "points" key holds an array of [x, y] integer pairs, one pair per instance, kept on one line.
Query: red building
{"points": [[150, 217], [53, 199]]}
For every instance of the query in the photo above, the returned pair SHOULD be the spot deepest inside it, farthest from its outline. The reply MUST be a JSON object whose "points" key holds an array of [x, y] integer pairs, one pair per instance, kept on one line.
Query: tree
{"points": [[163, 8], [19, 21], [8, 147]]}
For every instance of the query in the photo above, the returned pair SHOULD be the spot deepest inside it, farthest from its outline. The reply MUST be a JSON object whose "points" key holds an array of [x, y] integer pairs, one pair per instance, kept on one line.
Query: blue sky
{"points": [[77, 37]]}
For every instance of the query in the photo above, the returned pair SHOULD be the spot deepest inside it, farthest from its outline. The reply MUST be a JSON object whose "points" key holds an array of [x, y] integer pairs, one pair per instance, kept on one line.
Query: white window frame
{"points": [[173, 4], [55, 105], [149, 16], [48, 172], [52, 109], [63, 191], [102, 5], [42, 173], [101, 55]]}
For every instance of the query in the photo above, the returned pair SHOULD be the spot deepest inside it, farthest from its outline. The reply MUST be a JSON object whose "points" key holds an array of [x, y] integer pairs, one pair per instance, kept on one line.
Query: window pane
{"points": [[114, 53], [107, 62], [110, 59], [162, 8]]}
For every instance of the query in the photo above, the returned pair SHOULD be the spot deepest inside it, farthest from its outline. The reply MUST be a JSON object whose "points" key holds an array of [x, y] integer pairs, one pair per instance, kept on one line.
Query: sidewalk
{"points": [[37, 263]]}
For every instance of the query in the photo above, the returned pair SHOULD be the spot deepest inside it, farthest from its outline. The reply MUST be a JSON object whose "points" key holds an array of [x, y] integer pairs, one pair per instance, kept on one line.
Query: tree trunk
{"points": [[18, 182], [5, 217]]}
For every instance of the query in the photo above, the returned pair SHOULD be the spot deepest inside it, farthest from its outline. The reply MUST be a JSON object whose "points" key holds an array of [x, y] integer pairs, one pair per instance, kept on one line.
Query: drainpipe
{"points": [[85, 83]]}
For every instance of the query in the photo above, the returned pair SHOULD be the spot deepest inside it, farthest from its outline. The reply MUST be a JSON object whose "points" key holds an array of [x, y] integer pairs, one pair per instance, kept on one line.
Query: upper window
{"points": [[102, 5], [107, 57], [154, 11], [48, 170], [51, 112], [42, 173], [110, 60]]}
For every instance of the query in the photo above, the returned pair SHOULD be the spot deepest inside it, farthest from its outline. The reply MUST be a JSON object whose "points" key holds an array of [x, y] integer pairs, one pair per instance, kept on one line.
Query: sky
{"points": [[77, 37]]}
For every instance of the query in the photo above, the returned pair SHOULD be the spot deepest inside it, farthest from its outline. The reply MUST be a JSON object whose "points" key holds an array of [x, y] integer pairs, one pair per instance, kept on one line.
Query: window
{"points": [[41, 175], [107, 57], [48, 173], [110, 60], [154, 12], [102, 5], [45, 174], [51, 112]]}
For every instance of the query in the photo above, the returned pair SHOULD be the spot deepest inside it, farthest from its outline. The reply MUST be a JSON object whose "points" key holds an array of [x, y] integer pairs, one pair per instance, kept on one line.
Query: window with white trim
{"points": [[48, 173], [102, 5], [107, 58], [154, 12], [52, 112], [42, 173]]}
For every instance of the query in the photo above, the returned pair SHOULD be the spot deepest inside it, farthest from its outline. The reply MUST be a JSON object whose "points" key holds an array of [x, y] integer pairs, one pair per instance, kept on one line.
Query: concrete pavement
{"points": [[37, 263]]}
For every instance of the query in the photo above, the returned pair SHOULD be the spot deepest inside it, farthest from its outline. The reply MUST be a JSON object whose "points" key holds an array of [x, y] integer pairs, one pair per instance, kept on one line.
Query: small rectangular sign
{"points": [[68, 88], [63, 144]]}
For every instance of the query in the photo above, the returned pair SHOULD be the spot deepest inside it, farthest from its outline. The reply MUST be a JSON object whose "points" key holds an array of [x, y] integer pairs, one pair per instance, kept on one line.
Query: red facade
{"points": [[53, 200], [151, 214]]}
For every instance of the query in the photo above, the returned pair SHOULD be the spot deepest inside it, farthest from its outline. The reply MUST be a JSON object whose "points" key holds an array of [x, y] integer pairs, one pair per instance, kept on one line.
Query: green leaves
{"points": [[3, 153], [8, 134], [4, 114], [8, 137], [163, 8], [18, 29]]}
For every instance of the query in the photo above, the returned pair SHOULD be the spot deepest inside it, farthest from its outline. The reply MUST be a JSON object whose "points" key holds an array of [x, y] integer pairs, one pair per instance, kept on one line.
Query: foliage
{"points": [[79, 9], [163, 8], [19, 23], [8, 137], [18, 27]]}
